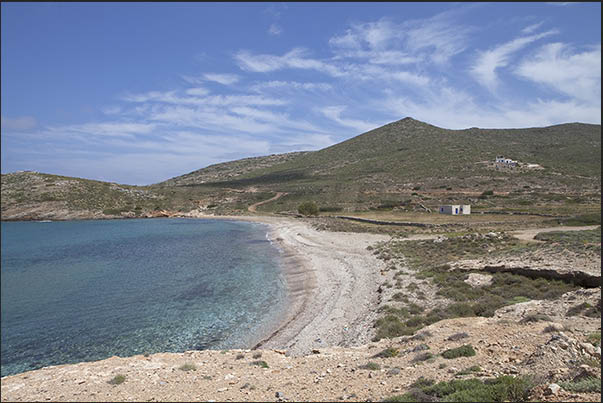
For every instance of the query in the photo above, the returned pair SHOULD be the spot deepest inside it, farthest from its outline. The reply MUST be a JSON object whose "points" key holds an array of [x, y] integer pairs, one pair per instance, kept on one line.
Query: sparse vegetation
{"points": [[308, 208], [584, 385], [188, 367], [501, 389], [422, 357], [373, 366], [387, 353], [117, 380], [262, 364], [594, 338], [471, 369], [465, 350], [458, 336], [585, 309], [431, 263], [356, 174]]}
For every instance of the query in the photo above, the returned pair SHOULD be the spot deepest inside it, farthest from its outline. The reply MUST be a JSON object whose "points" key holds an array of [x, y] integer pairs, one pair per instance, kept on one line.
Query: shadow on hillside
{"points": [[277, 177]]}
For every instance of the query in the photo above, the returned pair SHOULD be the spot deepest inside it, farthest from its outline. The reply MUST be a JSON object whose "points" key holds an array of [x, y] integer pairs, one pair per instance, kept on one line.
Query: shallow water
{"points": [[87, 290]]}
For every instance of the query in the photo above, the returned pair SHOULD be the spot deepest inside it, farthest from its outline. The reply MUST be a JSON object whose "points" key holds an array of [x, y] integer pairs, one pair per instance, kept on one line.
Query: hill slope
{"points": [[402, 164], [386, 165]]}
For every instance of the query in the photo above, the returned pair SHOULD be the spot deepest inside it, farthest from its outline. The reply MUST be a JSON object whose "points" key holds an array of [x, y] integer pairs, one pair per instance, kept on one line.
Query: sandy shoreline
{"points": [[331, 280]]}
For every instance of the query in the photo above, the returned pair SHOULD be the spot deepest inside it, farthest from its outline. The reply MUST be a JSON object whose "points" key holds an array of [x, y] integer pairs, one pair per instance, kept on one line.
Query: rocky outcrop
{"points": [[532, 269]]}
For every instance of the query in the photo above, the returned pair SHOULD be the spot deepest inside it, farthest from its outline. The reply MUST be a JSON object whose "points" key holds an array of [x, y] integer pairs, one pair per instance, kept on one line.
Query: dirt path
{"points": [[529, 234], [253, 207]]}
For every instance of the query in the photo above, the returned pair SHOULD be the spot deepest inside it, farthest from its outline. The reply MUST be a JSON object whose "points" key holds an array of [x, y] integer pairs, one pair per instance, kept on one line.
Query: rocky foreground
{"points": [[532, 338]]}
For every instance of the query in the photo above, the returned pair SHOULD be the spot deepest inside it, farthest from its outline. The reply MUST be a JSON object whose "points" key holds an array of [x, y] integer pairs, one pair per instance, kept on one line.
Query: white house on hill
{"points": [[506, 161], [456, 209]]}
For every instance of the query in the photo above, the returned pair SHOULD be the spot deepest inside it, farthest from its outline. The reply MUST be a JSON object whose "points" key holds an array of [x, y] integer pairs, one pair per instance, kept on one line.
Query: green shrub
{"points": [[583, 219], [188, 367], [594, 338], [467, 371], [584, 385], [329, 209], [113, 211], [373, 366], [422, 382], [422, 357], [463, 351], [518, 300], [308, 208], [262, 364], [501, 389], [585, 309], [387, 353], [117, 380], [390, 326], [399, 296], [458, 336]]}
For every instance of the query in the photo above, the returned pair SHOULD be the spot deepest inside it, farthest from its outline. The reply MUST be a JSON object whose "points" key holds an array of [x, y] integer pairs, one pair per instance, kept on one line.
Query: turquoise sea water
{"points": [[87, 290]]}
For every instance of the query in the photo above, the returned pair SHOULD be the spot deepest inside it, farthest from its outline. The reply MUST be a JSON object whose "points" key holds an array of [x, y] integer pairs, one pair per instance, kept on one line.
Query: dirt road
{"points": [[253, 207]]}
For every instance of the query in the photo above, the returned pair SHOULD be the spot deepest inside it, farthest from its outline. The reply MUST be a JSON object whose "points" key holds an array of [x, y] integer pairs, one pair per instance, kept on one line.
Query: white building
{"points": [[506, 161], [456, 209]]}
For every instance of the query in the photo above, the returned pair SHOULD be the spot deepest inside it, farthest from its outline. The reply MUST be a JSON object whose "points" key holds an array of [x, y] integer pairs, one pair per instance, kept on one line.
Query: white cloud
{"points": [[275, 29], [20, 123], [112, 110], [303, 142], [374, 35], [531, 28], [294, 59], [457, 109], [106, 129], [291, 85], [334, 113], [225, 79], [485, 67], [438, 36], [198, 91], [171, 97], [561, 68]]}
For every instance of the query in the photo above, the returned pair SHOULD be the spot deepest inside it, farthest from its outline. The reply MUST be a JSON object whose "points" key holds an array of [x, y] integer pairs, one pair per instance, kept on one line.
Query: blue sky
{"points": [[137, 93]]}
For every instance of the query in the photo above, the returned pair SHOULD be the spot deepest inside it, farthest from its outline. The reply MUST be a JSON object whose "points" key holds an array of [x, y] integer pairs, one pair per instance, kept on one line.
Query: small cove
{"points": [[87, 290]]}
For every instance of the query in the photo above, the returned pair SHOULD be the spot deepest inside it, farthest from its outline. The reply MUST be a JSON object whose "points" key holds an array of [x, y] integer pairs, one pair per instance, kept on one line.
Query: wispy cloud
{"points": [[489, 61], [118, 129], [440, 37], [198, 91], [172, 97], [295, 85], [436, 39], [334, 113], [294, 59], [531, 28], [225, 79], [562, 68]]}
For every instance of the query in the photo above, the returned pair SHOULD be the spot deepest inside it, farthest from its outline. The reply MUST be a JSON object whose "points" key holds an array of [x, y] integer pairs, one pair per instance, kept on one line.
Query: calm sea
{"points": [[87, 290]]}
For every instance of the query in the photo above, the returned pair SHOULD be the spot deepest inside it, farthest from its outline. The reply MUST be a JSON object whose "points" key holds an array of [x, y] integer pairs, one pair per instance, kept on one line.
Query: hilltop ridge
{"points": [[404, 162]]}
